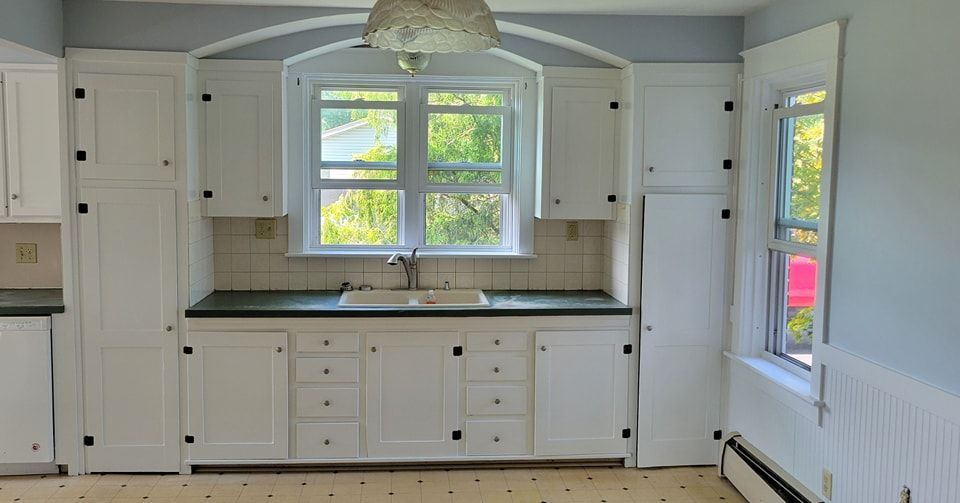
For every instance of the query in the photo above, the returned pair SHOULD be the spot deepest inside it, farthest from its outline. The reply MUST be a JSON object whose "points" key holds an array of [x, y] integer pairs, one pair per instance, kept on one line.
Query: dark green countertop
{"points": [[323, 304], [36, 302]]}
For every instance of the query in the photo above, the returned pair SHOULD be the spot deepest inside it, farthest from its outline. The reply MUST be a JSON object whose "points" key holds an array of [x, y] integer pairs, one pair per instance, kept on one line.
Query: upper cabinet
{"points": [[125, 127], [578, 151], [689, 113], [241, 110], [30, 146]]}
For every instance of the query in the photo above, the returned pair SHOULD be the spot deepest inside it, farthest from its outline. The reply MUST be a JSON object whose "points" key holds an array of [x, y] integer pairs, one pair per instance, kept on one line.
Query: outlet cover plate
{"points": [[827, 484], [265, 228], [573, 231], [26, 253]]}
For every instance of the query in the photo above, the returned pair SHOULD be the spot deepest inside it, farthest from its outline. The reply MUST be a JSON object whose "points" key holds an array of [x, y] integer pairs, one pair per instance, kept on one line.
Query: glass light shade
{"points": [[413, 62], [428, 26]]}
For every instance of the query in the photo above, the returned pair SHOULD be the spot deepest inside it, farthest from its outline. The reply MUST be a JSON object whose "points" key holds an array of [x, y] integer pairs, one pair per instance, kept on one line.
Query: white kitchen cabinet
{"points": [[412, 382], [30, 145], [128, 286], [242, 140], [683, 292], [125, 127], [581, 392], [237, 387], [579, 145]]}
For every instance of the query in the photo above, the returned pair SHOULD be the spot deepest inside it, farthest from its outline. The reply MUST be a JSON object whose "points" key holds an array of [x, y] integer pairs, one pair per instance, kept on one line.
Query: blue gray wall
{"points": [[37, 24], [179, 27], [896, 264]]}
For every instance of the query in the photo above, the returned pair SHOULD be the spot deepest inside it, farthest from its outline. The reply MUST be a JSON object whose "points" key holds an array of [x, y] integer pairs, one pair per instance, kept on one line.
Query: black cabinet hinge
{"points": [[728, 164], [81, 155], [188, 350], [614, 105], [83, 208], [456, 435], [611, 198], [80, 93], [458, 351], [725, 214], [206, 97], [188, 439], [727, 106], [717, 435], [626, 433], [88, 440], [208, 194], [628, 349]]}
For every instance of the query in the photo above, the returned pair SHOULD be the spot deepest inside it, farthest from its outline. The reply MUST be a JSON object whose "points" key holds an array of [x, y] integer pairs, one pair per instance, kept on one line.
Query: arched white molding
{"points": [[12, 52], [360, 18]]}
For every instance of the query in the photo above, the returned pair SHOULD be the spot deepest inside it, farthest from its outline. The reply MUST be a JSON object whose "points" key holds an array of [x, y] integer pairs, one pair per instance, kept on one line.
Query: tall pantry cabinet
{"points": [[133, 151]]}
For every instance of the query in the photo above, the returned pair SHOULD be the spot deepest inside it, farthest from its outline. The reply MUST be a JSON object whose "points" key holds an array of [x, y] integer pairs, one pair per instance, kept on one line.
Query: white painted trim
{"points": [[41, 57], [323, 49], [360, 18], [811, 46], [790, 389], [413, 460], [236, 65]]}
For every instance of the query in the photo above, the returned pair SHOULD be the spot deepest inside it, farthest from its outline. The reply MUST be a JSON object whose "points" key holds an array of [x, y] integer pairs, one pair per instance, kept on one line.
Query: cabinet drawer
{"points": [[328, 440], [496, 438], [497, 341], [328, 370], [497, 368], [328, 402], [496, 400], [328, 342]]}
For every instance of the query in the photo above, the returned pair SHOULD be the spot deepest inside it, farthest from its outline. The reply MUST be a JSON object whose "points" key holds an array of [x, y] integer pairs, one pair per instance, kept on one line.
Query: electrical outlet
{"points": [[265, 228], [26, 253], [827, 483], [905, 495], [573, 231]]}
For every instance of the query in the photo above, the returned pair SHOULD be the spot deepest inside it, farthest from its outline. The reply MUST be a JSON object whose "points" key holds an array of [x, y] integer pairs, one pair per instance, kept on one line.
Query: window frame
{"points": [[413, 111]]}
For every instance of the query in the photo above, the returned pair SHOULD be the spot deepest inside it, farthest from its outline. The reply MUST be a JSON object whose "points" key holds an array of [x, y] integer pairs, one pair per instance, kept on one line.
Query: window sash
{"points": [[506, 216]]}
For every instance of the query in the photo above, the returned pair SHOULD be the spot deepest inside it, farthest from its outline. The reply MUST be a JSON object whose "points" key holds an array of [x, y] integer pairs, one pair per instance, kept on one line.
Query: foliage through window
{"points": [[798, 160], [412, 164]]}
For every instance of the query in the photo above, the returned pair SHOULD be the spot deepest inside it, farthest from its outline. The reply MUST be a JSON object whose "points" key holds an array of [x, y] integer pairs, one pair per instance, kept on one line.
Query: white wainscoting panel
{"points": [[880, 431]]}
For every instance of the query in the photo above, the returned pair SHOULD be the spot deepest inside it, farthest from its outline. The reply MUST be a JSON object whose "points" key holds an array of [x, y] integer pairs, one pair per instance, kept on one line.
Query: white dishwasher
{"points": [[26, 391]]}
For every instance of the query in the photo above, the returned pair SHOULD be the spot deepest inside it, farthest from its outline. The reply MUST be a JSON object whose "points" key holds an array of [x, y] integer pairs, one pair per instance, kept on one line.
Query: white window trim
{"points": [[517, 215], [809, 59]]}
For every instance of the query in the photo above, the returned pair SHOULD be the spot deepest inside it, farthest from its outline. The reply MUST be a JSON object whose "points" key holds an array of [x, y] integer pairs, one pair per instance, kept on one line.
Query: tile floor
{"points": [[534, 485]]}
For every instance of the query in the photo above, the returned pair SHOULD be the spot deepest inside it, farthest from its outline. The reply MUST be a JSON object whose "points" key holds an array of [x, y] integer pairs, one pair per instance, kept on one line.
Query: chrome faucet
{"points": [[409, 266]]}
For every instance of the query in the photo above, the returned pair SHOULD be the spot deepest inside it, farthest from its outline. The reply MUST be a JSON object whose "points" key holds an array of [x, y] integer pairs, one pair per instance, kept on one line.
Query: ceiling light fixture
{"points": [[418, 28]]}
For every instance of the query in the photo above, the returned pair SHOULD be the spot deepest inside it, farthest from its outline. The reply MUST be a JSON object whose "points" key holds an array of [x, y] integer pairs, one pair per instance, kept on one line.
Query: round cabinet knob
{"points": [[165, 162], [326, 342], [556, 201], [326, 371], [496, 370], [326, 403], [648, 328], [168, 328], [496, 342], [326, 442], [651, 169], [266, 198], [543, 348], [278, 349], [496, 439], [14, 197], [496, 401], [373, 349]]}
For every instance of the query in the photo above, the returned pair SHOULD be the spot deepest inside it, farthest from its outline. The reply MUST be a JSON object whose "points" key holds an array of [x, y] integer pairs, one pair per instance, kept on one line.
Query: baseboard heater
{"points": [[757, 477]]}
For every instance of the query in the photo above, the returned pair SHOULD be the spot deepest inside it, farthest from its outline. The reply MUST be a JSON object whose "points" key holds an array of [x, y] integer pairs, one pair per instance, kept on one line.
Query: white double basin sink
{"points": [[413, 299]]}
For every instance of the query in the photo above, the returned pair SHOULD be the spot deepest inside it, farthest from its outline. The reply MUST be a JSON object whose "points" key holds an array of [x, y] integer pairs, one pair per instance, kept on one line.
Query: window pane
{"points": [[335, 94], [473, 98], [793, 294], [463, 219], [464, 138], [804, 236], [806, 98], [800, 163], [359, 217], [357, 134], [464, 177]]}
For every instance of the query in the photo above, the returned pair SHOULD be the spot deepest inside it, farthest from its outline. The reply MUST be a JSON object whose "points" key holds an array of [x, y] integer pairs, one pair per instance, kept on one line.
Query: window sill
{"points": [[420, 253], [791, 389]]}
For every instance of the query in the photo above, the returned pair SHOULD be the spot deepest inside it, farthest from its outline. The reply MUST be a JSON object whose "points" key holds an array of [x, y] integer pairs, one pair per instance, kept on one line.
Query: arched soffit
{"points": [[360, 18]]}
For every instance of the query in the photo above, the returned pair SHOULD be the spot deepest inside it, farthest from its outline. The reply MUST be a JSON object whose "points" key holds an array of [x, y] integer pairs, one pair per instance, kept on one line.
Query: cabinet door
{"points": [[581, 393], [686, 136], [32, 140], [237, 385], [684, 260], [582, 155], [128, 310], [125, 127], [241, 147], [412, 394]]}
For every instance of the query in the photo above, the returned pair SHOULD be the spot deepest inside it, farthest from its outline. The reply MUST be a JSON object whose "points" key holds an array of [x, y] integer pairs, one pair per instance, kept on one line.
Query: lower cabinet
{"points": [[237, 395]]}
